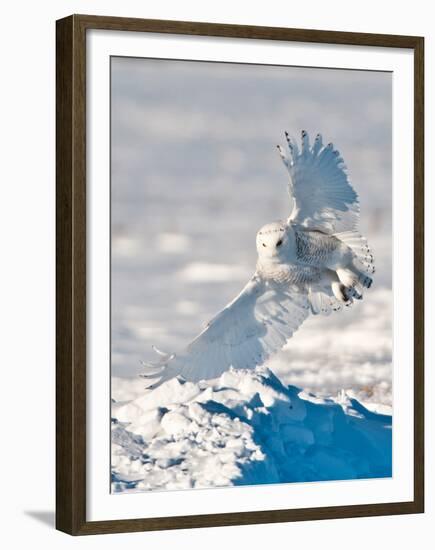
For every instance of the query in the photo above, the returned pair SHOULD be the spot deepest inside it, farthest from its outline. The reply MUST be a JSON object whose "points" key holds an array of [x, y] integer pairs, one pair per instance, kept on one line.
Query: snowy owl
{"points": [[314, 262]]}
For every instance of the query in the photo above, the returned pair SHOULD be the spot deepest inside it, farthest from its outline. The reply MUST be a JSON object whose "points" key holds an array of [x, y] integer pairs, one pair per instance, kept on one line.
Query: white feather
{"points": [[323, 196], [247, 331]]}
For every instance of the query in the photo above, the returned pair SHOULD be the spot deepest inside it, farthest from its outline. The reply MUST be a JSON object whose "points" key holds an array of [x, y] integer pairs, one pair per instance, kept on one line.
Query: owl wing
{"points": [[322, 196], [252, 327]]}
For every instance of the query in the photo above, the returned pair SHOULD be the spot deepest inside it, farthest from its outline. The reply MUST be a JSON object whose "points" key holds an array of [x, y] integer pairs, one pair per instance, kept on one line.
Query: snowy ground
{"points": [[244, 428], [195, 173]]}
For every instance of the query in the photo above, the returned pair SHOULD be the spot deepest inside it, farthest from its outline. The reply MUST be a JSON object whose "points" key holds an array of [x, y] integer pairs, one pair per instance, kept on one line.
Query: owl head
{"points": [[272, 240]]}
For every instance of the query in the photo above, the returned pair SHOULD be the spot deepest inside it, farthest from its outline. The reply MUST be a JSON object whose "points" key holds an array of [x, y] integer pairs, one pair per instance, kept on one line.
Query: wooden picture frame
{"points": [[71, 273]]}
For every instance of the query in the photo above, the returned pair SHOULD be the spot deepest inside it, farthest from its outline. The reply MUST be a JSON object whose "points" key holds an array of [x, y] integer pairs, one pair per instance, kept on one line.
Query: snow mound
{"points": [[244, 428]]}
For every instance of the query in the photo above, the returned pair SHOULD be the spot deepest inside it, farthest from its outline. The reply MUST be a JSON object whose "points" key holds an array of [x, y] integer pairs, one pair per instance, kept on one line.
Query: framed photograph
{"points": [[239, 275]]}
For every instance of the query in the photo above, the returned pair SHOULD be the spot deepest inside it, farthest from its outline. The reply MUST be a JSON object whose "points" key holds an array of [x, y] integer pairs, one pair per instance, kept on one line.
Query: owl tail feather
{"points": [[322, 301], [159, 369]]}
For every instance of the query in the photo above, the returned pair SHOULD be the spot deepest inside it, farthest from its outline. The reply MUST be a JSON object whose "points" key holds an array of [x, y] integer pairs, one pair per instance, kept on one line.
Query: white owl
{"points": [[316, 262]]}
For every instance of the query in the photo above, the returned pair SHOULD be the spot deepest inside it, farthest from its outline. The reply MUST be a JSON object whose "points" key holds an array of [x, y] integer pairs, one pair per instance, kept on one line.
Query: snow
{"points": [[198, 272], [351, 352], [244, 428]]}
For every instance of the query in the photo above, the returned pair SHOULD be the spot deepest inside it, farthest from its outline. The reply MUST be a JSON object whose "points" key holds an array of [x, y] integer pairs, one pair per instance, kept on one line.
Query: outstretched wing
{"points": [[256, 324], [323, 198]]}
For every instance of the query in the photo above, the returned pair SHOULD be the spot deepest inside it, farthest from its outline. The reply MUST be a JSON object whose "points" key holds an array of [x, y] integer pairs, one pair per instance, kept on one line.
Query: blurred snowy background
{"points": [[195, 174]]}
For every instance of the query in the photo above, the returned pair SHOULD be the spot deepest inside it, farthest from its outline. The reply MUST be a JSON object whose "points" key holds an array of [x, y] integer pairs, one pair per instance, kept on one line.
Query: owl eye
{"points": [[279, 243], [264, 244]]}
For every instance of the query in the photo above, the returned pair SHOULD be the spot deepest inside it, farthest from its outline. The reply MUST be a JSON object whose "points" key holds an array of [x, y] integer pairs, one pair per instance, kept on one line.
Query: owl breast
{"points": [[289, 274]]}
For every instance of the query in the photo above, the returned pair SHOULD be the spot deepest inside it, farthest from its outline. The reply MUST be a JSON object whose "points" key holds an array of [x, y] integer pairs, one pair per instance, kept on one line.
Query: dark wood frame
{"points": [[71, 273]]}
